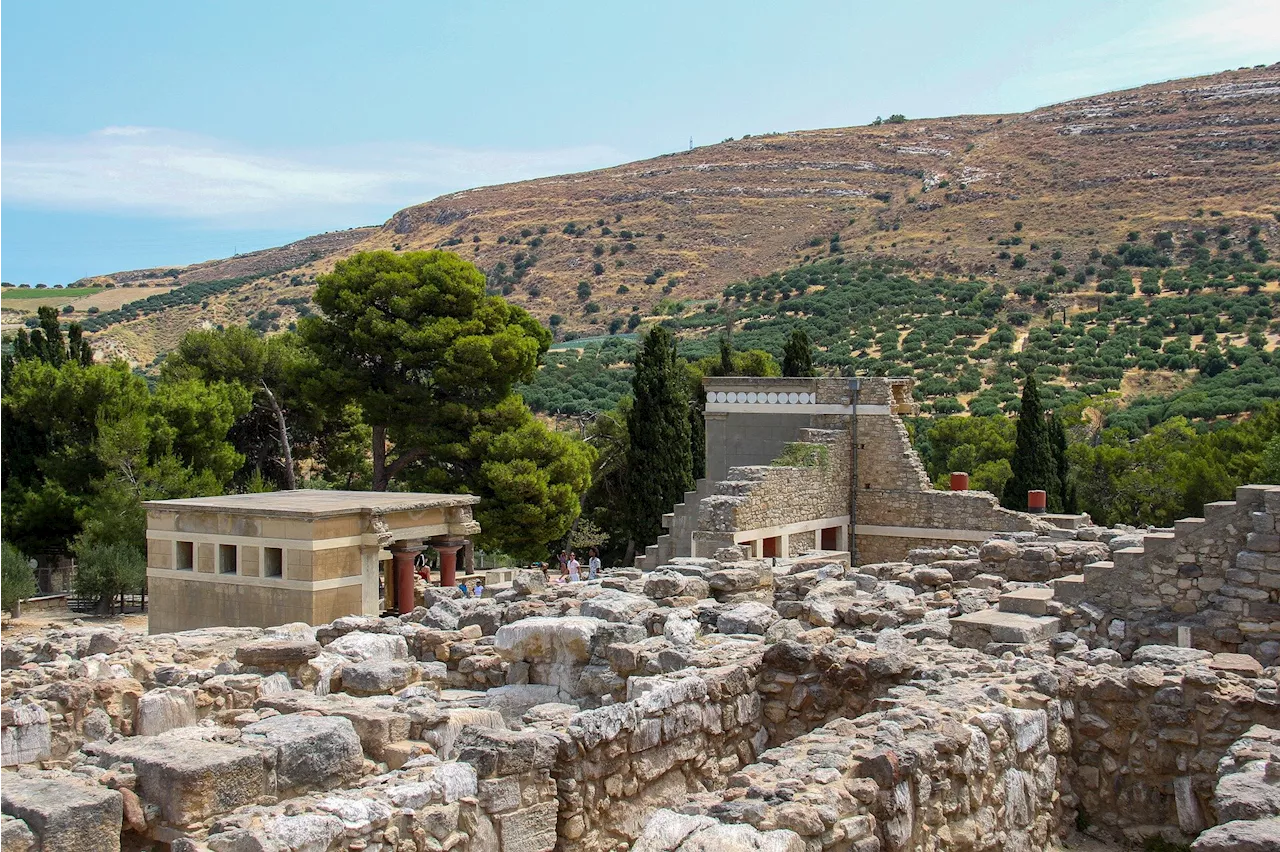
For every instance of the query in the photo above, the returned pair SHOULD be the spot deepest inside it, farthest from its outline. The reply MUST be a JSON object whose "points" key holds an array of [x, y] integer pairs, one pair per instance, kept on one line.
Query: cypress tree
{"points": [[660, 459], [1033, 461], [698, 431], [726, 357], [1066, 495], [797, 355]]}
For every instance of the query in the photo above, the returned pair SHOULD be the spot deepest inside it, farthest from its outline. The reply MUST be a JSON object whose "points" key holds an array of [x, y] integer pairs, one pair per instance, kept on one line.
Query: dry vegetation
{"points": [[939, 192]]}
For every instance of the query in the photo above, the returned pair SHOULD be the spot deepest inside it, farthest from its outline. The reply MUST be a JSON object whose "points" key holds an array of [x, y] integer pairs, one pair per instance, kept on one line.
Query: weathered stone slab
{"points": [[277, 653], [190, 779], [312, 752], [66, 815], [163, 710], [376, 677], [1238, 663], [976, 629]]}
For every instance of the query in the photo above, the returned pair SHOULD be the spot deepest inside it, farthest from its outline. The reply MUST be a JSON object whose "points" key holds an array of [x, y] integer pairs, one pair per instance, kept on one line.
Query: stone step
{"points": [[1069, 589], [1129, 557], [668, 519], [1187, 526], [1219, 510], [976, 629], [1028, 601], [1063, 521], [1160, 544]]}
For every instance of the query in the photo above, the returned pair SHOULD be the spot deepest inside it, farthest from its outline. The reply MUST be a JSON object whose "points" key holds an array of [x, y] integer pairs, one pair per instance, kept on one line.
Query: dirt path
{"points": [[37, 621]]}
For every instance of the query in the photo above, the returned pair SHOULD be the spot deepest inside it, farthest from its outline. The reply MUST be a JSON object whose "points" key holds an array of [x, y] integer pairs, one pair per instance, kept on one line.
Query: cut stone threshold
{"points": [[1029, 601], [977, 629]]}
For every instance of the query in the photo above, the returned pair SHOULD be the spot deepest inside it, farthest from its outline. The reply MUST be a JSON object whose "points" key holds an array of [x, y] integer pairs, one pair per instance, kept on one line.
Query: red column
{"points": [[1036, 501], [402, 568], [448, 563], [960, 481]]}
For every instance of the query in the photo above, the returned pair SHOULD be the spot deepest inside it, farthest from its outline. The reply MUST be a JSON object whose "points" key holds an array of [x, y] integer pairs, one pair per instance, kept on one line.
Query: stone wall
{"points": [[960, 755], [1218, 575], [894, 492], [763, 496], [678, 735], [1148, 738]]}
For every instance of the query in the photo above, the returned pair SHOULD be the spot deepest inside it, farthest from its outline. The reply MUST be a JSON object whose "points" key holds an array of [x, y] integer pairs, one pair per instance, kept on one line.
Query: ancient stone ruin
{"points": [[1050, 680]]}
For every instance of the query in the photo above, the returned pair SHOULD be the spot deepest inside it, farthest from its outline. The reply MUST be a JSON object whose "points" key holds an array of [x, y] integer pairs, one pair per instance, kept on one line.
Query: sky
{"points": [[146, 134]]}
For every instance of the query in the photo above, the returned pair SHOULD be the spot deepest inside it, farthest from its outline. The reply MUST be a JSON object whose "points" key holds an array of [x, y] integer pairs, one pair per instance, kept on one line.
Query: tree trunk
{"points": [[290, 482], [380, 458]]}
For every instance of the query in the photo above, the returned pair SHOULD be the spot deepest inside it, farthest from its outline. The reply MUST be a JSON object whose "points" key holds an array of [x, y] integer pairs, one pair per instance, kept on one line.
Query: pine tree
{"points": [[797, 355], [660, 458], [1033, 461]]}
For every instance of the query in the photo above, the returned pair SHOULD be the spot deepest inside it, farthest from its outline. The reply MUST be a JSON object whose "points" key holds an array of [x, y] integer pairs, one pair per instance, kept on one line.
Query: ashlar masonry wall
{"points": [[898, 509]]}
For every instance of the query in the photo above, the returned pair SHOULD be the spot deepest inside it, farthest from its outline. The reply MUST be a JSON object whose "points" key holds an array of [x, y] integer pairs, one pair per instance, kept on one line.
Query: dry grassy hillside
{"points": [[940, 192]]}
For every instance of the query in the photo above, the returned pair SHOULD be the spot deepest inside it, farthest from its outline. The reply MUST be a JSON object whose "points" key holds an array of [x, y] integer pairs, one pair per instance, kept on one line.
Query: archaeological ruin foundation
{"points": [[830, 656]]}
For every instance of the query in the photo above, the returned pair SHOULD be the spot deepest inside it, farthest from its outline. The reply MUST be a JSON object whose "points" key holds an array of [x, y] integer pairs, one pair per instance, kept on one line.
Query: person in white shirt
{"points": [[593, 565], [573, 566]]}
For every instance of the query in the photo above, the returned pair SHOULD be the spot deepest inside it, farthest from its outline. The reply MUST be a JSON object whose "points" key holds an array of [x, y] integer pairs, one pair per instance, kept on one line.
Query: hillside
{"points": [[1005, 198]]}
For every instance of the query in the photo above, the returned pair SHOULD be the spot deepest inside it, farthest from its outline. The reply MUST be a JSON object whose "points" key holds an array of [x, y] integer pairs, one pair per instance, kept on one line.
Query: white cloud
{"points": [[1177, 39], [160, 172]]}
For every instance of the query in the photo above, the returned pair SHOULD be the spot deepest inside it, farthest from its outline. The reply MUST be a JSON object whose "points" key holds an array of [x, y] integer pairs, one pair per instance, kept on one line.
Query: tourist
{"points": [[563, 558], [593, 565], [573, 567], [479, 590]]}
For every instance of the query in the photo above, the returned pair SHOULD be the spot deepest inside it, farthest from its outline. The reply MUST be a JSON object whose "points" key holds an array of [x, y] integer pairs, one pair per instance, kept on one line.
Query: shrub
{"points": [[584, 289], [106, 570], [17, 582]]}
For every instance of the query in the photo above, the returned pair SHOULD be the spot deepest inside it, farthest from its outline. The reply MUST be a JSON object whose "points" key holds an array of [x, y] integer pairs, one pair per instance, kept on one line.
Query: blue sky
{"points": [[155, 134]]}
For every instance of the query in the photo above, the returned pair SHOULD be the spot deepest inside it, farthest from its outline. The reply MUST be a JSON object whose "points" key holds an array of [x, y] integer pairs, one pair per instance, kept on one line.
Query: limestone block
{"points": [[26, 735], [375, 726], [65, 815], [361, 647], [15, 836], [531, 829], [546, 639], [376, 677], [162, 710], [312, 752], [1168, 656], [277, 654], [1241, 836], [616, 606], [189, 779], [749, 617]]}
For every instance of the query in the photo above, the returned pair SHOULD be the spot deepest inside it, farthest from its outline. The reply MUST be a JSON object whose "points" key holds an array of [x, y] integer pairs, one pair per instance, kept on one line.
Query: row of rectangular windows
{"points": [[228, 559]]}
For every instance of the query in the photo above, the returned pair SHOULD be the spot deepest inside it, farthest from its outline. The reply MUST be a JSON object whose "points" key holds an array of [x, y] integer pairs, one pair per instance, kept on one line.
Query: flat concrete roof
{"points": [[314, 503]]}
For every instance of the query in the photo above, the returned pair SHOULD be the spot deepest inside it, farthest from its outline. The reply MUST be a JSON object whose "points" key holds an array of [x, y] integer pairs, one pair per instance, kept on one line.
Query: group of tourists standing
{"points": [[571, 568]]}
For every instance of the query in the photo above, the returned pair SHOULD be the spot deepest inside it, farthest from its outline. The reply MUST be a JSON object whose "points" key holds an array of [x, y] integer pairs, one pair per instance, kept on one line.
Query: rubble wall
{"points": [[1147, 739], [1219, 575], [684, 735]]}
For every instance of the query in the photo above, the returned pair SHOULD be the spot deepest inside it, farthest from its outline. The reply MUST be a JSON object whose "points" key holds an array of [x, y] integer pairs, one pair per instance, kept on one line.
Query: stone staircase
{"points": [[679, 523], [1142, 577]]}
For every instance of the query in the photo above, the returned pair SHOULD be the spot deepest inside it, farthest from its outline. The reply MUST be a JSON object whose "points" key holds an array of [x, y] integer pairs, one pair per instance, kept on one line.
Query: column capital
{"points": [[407, 546]]}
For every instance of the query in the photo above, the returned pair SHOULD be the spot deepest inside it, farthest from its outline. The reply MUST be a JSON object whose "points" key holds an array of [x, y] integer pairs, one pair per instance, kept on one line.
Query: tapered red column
{"points": [[402, 568], [448, 562]]}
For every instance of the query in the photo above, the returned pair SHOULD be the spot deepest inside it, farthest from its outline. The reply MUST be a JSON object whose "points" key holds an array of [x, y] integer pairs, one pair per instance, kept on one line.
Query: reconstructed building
{"points": [[257, 560], [800, 464]]}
